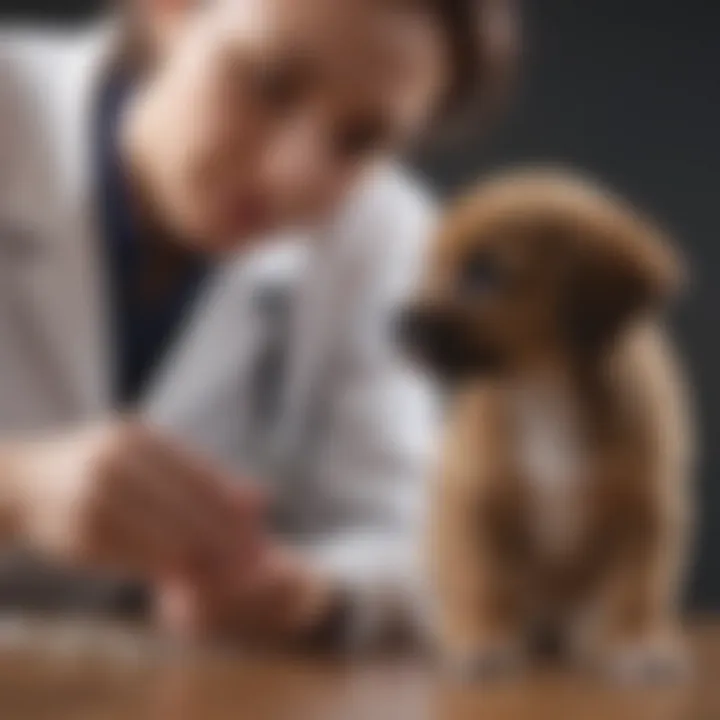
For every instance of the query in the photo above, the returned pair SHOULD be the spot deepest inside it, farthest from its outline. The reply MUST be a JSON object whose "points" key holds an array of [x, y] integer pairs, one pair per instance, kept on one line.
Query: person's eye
{"points": [[480, 276], [360, 139], [278, 86]]}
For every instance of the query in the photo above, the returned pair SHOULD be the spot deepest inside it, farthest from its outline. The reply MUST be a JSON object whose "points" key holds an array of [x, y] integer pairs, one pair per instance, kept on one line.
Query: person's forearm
{"points": [[31, 579]]}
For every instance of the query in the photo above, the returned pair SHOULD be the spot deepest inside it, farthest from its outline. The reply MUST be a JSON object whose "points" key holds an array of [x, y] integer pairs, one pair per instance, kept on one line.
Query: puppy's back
{"points": [[653, 398]]}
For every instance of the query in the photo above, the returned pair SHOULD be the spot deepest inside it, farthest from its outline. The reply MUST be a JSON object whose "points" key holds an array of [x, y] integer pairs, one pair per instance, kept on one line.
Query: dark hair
{"points": [[482, 38], [483, 41]]}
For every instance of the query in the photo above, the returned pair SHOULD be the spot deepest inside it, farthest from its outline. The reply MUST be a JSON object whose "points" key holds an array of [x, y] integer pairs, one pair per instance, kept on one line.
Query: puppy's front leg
{"points": [[479, 621], [643, 639]]}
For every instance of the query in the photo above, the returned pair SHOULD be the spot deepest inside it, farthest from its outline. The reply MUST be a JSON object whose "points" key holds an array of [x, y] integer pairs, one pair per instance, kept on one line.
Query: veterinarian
{"points": [[204, 234]]}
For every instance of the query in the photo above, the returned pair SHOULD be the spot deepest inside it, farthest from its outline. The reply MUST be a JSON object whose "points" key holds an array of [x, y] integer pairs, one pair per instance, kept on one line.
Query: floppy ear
{"points": [[623, 267]]}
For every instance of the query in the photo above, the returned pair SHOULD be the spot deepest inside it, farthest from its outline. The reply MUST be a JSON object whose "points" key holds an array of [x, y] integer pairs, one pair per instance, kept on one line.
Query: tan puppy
{"points": [[563, 500]]}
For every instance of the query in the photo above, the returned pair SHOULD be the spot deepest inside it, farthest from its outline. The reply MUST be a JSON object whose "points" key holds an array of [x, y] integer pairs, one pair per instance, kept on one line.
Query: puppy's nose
{"points": [[420, 329]]}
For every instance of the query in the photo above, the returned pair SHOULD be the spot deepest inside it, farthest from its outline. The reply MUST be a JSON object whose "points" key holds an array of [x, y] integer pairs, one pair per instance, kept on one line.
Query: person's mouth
{"points": [[249, 214]]}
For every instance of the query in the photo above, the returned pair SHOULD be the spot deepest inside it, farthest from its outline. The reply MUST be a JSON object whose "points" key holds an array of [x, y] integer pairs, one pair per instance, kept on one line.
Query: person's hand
{"points": [[126, 498], [279, 600]]}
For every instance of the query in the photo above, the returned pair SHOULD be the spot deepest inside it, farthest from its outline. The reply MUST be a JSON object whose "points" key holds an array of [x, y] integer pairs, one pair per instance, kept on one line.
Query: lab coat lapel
{"points": [[311, 327], [56, 284], [205, 385]]}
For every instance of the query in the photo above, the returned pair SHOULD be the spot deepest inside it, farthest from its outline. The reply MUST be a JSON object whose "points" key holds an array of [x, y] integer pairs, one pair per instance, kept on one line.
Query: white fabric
{"points": [[356, 429]]}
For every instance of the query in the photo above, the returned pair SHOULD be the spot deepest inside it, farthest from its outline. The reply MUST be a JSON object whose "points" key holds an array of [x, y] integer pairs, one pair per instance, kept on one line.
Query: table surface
{"points": [[81, 672]]}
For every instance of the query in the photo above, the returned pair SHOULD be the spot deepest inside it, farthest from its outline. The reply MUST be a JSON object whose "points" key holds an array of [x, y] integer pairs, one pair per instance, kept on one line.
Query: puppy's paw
{"points": [[487, 664], [650, 662]]}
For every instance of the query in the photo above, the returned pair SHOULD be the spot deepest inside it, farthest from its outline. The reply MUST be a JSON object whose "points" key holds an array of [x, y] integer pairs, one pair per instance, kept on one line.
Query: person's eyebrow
{"points": [[292, 61]]}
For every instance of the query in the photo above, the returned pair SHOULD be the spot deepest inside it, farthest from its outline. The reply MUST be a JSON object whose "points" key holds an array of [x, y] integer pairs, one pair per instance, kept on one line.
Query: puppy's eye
{"points": [[480, 276]]}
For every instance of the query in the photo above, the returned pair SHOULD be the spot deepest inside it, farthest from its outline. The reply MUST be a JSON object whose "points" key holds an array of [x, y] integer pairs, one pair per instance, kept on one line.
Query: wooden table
{"points": [[98, 674]]}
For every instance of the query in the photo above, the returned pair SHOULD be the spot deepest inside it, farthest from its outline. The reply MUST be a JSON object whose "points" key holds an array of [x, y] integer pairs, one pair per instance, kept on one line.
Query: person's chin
{"points": [[223, 235], [236, 239], [239, 232]]}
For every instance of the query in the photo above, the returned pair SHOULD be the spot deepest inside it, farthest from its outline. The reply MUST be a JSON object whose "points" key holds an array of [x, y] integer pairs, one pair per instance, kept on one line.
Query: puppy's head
{"points": [[530, 265]]}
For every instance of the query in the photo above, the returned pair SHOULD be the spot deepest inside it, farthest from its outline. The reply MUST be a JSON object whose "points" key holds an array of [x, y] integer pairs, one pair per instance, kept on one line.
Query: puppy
{"points": [[563, 501]]}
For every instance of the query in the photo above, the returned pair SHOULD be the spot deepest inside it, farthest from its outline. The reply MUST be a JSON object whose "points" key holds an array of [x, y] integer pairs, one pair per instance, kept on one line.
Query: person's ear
{"points": [[622, 268]]}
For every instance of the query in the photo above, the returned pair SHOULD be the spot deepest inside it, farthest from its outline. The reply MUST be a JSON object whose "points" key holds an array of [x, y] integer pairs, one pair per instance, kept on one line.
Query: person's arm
{"points": [[353, 577], [380, 432], [125, 498]]}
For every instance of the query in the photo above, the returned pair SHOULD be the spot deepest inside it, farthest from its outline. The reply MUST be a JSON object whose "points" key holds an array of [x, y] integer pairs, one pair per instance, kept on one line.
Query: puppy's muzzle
{"points": [[439, 341]]}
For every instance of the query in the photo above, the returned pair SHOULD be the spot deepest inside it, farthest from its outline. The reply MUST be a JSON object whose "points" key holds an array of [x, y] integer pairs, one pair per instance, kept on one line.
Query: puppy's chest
{"points": [[551, 454]]}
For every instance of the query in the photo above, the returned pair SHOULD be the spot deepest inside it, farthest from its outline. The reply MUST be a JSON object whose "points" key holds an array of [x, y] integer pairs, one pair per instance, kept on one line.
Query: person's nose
{"points": [[299, 167]]}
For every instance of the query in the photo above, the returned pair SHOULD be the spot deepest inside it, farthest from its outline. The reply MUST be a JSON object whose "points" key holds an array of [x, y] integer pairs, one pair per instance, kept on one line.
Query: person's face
{"points": [[262, 114]]}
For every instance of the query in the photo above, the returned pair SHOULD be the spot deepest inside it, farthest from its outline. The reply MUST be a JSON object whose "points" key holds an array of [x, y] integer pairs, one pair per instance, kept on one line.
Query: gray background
{"points": [[629, 89]]}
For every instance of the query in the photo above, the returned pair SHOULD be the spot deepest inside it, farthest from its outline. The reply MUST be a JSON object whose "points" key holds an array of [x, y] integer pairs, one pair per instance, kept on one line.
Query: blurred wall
{"points": [[629, 89]]}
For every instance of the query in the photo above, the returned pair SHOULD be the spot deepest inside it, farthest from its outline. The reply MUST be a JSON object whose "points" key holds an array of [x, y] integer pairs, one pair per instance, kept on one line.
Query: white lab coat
{"points": [[348, 446]]}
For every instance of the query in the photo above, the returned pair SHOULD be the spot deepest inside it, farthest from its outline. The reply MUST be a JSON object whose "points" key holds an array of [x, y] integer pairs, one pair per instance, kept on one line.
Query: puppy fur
{"points": [[563, 502]]}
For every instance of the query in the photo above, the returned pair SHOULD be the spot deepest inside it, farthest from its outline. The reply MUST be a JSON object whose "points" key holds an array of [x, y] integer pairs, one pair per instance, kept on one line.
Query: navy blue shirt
{"points": [[144, 324]]}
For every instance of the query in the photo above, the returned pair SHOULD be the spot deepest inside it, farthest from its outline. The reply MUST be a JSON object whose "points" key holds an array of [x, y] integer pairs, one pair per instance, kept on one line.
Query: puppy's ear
{"points": [[623, 267]]}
